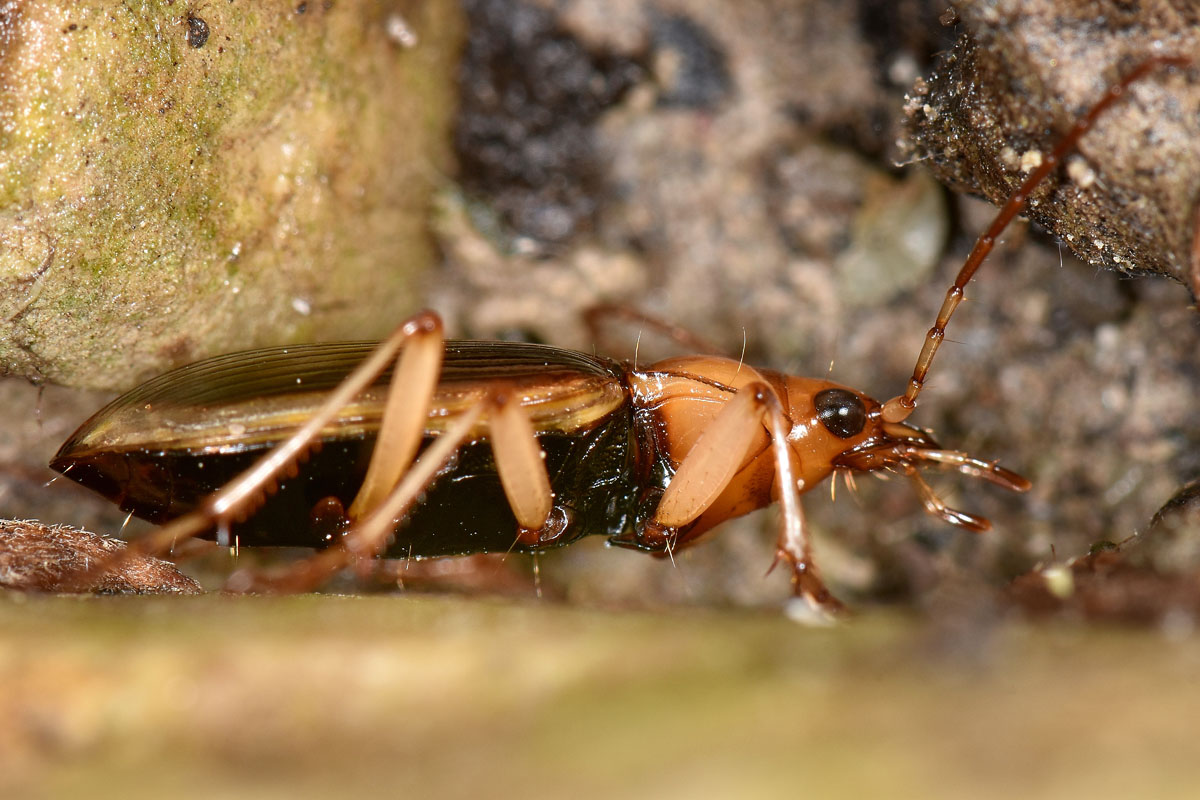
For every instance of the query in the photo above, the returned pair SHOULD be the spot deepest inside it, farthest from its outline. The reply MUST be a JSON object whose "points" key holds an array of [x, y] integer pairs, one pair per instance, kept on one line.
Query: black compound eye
{"points": [[841, 412]]}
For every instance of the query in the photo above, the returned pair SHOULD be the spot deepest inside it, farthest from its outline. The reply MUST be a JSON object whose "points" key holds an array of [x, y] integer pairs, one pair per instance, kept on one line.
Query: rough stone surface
{"points": [[1020, 75]]}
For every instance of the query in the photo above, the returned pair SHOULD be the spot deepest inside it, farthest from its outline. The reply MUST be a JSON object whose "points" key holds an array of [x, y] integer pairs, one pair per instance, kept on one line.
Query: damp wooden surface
{"points": [[434, 696]]}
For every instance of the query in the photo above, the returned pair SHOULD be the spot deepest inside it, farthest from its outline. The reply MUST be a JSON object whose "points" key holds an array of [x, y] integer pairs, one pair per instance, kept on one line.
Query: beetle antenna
{"points": [[898, 408]]}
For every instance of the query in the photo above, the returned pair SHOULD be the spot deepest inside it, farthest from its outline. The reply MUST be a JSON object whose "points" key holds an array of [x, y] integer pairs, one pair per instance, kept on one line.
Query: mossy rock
{"points": [[178, 180]]}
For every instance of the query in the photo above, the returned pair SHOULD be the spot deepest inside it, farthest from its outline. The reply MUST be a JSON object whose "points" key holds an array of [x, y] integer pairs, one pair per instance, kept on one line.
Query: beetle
{"points": [[516, 446], [538, 447]]}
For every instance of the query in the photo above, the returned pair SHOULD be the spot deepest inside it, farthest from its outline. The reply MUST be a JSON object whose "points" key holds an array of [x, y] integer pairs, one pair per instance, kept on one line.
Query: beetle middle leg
{"points": [[519, 459]]}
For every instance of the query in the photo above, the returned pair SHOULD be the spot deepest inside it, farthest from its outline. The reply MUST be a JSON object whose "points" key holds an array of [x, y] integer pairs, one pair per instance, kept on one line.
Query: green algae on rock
{"points": [[178, 180]]}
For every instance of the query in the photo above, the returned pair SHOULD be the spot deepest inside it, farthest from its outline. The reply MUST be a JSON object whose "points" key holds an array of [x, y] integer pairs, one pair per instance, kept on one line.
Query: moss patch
{"points": [[167, 195]]}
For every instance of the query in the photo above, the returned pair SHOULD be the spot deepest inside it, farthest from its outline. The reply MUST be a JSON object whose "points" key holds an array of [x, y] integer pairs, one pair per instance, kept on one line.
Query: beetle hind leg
{"points": [[410, 395], [245, 493]]}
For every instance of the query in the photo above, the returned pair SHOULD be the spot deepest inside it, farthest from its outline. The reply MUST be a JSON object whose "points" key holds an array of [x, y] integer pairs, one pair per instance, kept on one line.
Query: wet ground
{"points": [[301, 696]]}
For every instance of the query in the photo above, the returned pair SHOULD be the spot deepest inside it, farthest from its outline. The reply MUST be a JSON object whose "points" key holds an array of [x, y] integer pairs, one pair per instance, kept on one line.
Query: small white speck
{"points": [[301, 306], [1031, 160], [806, 612], [237, 429], [1079, 171], [1108, 337], [903, 70], [1099, 245], [1113, 399], [525, 246], [1059, 580], [399, 31], [1178, 624]]}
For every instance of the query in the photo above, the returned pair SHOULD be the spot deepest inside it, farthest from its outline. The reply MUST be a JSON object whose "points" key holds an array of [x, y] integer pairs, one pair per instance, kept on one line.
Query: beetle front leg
{"points": [[711, 465], [793, 545]]}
